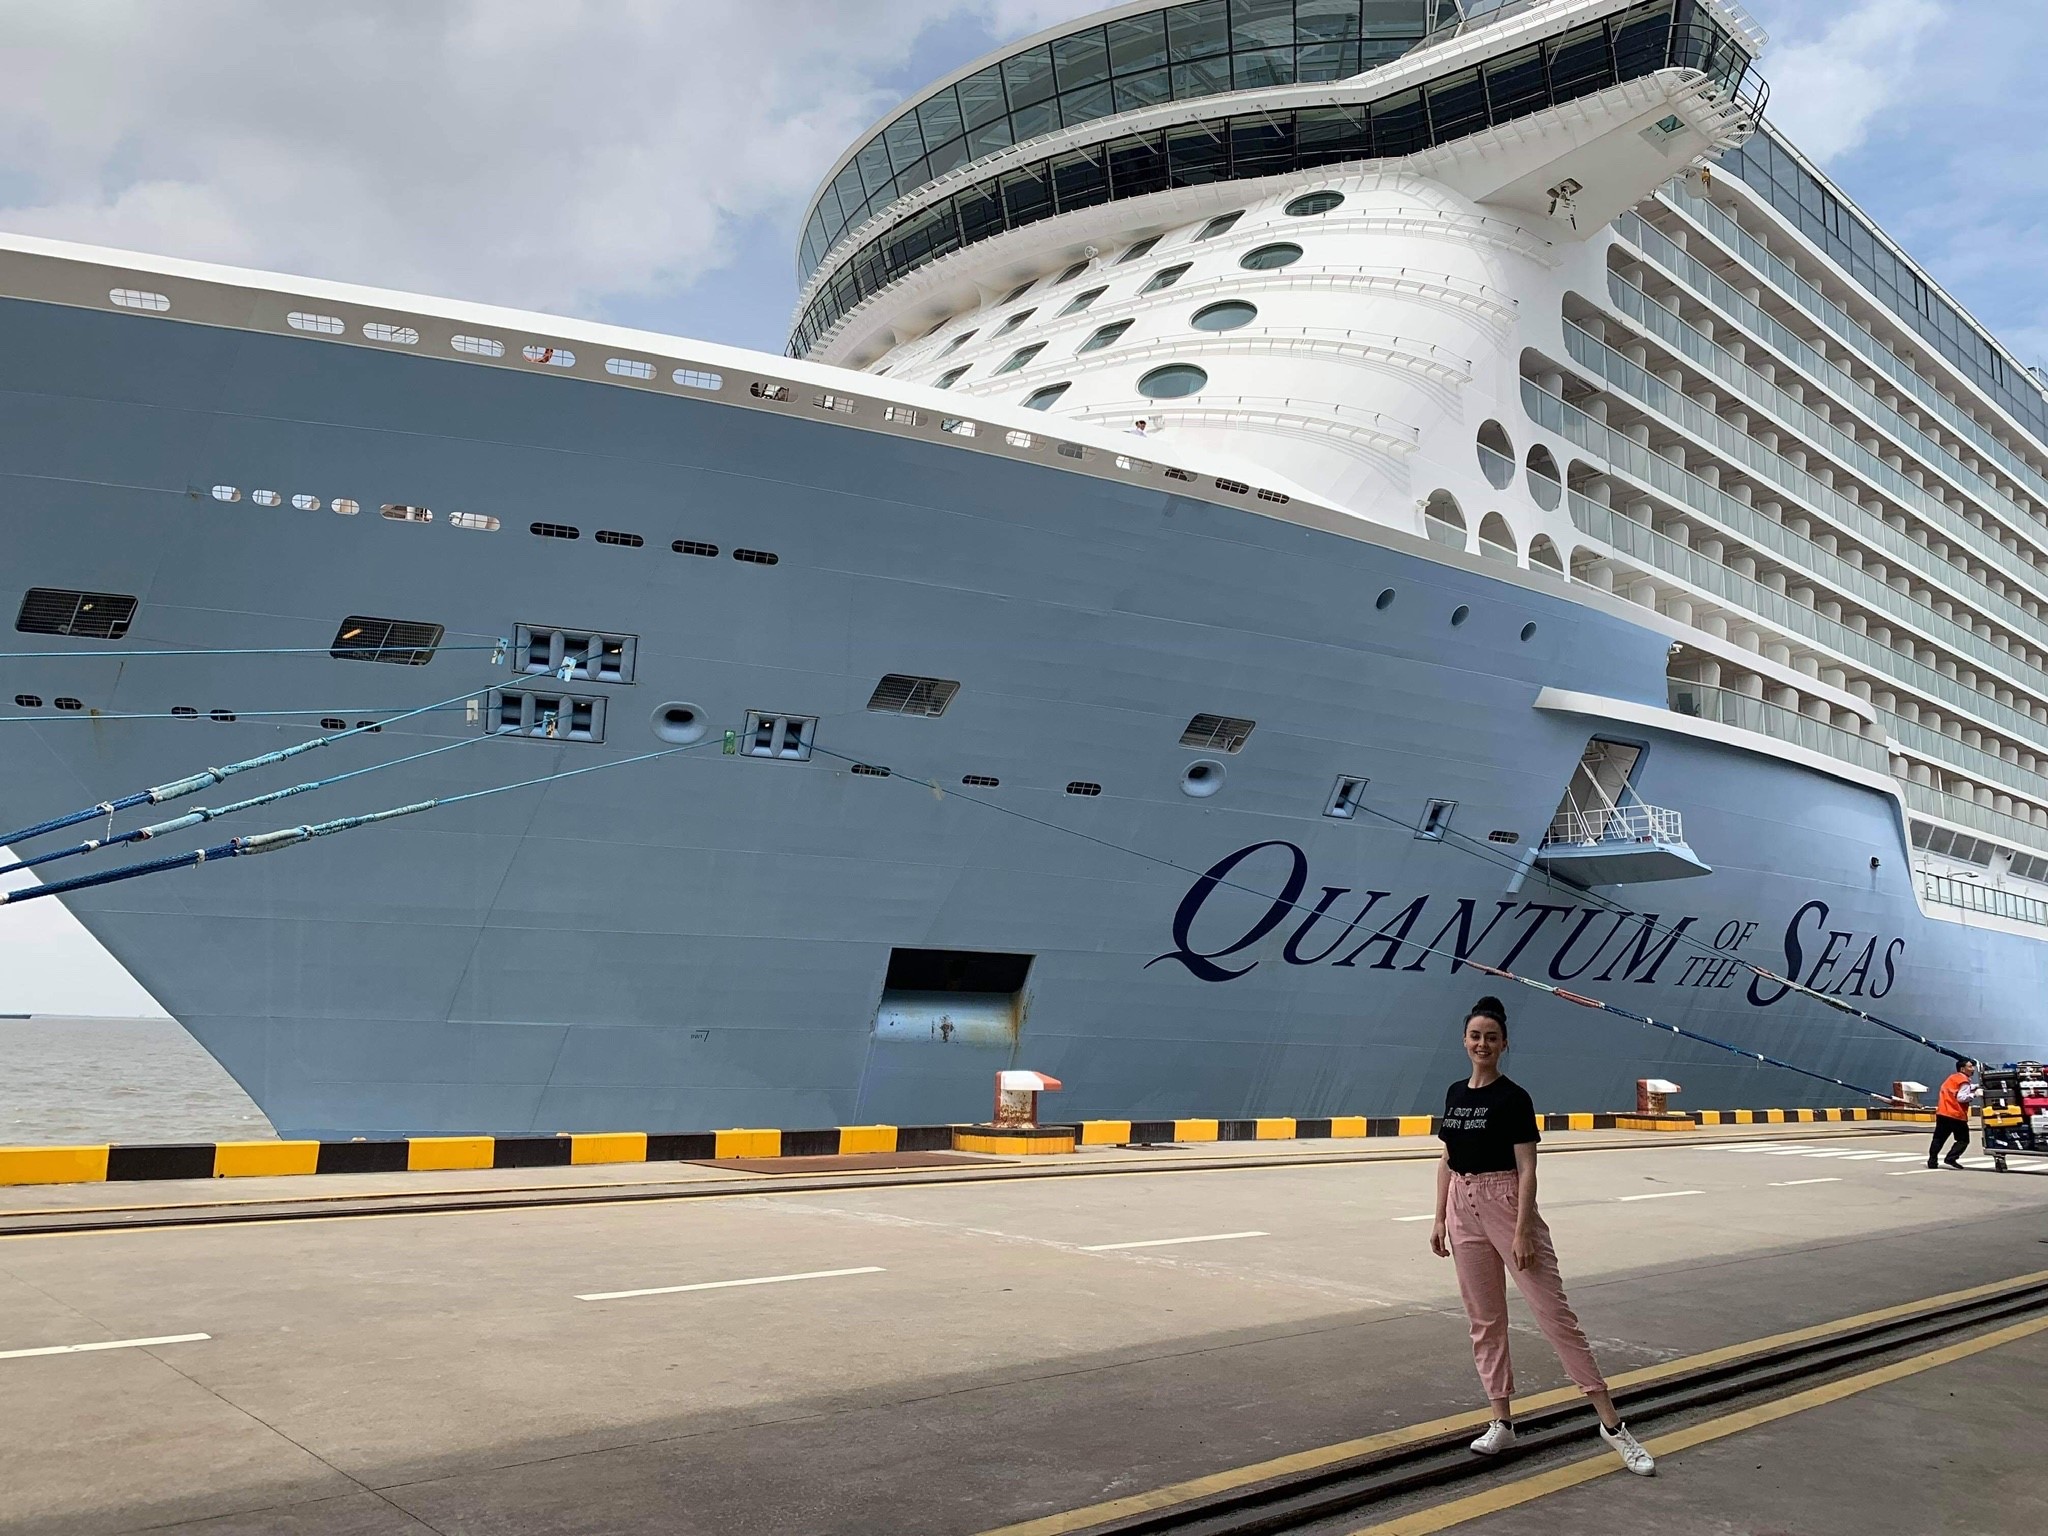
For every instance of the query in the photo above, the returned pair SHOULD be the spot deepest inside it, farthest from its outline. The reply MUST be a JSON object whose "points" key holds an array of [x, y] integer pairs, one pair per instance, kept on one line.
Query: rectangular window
{"points": [[545, 716], [786, 738], [1139, 251], [402, 642], [1081, 301], [1436, 820], [1217, 733], [901, 694], [1020, 357], [574, 655], [1166, 277], [83, 615]]}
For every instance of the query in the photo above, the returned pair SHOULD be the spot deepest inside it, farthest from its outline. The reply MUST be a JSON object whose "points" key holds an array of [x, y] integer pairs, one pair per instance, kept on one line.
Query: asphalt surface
{"points": [[957, 1356]]}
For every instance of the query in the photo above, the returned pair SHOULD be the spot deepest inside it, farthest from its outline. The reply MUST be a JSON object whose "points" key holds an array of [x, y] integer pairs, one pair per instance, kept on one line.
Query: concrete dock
{"points": [[961, 1345]]}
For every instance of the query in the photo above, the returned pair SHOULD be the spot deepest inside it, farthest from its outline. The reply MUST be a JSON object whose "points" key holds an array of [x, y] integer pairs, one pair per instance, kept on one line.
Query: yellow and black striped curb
{"points": [[422, 1154]]}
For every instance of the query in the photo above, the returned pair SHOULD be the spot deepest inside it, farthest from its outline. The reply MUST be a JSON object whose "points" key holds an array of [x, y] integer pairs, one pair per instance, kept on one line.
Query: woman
{"points": [[1486, 1219]]}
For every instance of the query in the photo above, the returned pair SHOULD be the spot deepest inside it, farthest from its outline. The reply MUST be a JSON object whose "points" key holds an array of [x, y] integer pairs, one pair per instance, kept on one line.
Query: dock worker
{"points": [[1486, 1219], [1952, 1114]]}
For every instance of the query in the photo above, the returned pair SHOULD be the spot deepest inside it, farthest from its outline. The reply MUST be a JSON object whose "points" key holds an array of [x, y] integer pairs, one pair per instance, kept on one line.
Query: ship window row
{"points": [[1802, 200], [1177, 53], [1580, 62]]}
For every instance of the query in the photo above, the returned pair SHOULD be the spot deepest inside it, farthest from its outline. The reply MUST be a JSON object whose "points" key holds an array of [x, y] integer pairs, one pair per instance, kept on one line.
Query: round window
{"points": [[1267, 257], [1202, 779], [1227, 316], [1173, 381], [680, 723], [1311, 203]]}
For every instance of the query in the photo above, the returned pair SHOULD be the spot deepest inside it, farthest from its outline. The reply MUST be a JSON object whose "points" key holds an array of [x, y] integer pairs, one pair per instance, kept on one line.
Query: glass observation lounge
{"points": [[1634, 43], [1171, 54]]}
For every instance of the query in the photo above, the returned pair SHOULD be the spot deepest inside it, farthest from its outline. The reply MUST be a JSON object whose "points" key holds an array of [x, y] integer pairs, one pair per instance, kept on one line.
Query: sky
{"points": [[647, 162]]}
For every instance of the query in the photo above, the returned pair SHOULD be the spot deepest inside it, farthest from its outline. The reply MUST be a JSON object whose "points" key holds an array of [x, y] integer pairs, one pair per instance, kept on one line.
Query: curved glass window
{"points": [[1173, 53], [1042, 399], [1019, 291], [1310, 204], [1227, 316], [1219, 225], [1165, 278], [957, 343], [1013, 322], [1139, 251], [1267, 257], [1071, 273], [1082, 300], [1104, 337], [1627, 46], [1020, 357], [949, 378], [1173, 381]]}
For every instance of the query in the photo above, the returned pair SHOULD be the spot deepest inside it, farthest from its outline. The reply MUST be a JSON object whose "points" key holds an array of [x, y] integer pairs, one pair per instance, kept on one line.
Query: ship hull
{"points": [[704, 939]]}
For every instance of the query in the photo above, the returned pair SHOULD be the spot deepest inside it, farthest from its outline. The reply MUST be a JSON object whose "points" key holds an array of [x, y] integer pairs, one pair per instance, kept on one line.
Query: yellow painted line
{"points": [[1393, 1439], [1194, 1130], [866, 1138], [1105, 1133], [53, 1165], [1347, 1125], [747, 1144], [1278, 1129], [264, 1159], [1415, 1125], [608, 1147], [1526, 1490], [438, 1154]]}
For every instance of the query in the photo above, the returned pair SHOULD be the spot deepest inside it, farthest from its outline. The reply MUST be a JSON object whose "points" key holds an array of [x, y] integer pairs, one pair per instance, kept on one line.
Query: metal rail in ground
{"points": [[336, 1206], [1300, 1501]]}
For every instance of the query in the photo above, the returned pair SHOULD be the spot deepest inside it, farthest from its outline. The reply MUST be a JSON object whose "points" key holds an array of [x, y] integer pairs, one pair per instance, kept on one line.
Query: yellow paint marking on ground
{"points": [[1325, 1455], [1525, 1490]]}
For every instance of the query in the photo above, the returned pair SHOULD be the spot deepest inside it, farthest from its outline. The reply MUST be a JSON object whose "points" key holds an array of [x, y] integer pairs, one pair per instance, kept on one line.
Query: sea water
{"points": [[71, 1080]]}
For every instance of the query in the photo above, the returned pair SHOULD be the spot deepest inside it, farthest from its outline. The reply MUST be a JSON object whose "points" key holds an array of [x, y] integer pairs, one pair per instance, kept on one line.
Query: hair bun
{"points": [[1490, 1007]]}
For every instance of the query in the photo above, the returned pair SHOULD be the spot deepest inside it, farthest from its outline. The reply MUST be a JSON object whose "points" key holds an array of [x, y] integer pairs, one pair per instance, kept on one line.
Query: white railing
{"points": [[1970, 897], [1633, 823]]}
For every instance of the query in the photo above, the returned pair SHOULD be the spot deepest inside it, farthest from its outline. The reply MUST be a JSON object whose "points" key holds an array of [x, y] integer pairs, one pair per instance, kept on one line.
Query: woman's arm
{"points": [[1525, 1204], [1439, 1243]]}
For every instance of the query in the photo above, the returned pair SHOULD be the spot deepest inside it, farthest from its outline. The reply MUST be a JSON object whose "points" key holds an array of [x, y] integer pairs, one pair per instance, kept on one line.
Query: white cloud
{"points": [[534, 152], [1826, 92]]}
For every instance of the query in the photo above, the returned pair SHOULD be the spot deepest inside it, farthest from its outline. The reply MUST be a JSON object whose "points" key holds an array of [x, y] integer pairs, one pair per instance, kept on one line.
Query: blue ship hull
{"points": [[703, 939]]}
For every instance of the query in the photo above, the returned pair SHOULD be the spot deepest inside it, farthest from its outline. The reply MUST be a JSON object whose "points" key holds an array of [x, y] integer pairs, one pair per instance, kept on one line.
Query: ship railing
{"points": [[2003, 825], [1725, 706], [1634, 822], [1644, 542], [1977, 762], [1633, 379], [1968, 895], [1656, 470], [1791, 285]]}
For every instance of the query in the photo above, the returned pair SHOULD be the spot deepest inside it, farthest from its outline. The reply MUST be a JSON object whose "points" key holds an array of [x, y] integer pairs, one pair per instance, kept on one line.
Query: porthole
{"points": [[266, 498], [184, 712], [1385, 600], [65, 703], [224, 716], [680, 723], [306, 503], [1042, 399], [1227, 316], [1309, 204], [27, 701], [226, 493], [1173, 381], [1546, 485], [1460, 614], [1267, 257], [1528, 632], [1202, 779], [346, 507], [1496, 455], [333, 723]]}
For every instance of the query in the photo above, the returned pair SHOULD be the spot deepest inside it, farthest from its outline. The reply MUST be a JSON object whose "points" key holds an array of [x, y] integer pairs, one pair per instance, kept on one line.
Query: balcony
{"points": [[1627, 844]]}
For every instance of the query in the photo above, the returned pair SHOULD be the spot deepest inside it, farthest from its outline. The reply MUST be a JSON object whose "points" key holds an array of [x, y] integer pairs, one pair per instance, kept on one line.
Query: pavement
{"points": [[953, 1350]]}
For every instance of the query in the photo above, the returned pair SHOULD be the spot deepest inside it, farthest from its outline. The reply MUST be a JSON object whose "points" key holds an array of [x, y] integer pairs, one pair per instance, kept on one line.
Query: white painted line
{"points": [[1900, 1173], [1662, 1194], [83, 1349], [1902, 1157], [1169, 1242], [1789, 1183], [1415, 1218], [724, 1285]]}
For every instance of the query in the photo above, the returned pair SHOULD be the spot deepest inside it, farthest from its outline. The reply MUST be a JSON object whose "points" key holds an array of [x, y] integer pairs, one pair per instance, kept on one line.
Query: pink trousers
{"points": [[1481, 1222]]}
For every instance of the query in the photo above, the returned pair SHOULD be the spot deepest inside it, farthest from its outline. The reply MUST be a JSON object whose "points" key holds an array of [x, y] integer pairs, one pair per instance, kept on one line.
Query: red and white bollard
{"points": [[1017, 1097]]}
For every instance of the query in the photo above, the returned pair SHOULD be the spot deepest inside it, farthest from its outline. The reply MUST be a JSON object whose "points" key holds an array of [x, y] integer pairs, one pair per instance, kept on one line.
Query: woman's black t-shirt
{"points": [[1483, 1126]]}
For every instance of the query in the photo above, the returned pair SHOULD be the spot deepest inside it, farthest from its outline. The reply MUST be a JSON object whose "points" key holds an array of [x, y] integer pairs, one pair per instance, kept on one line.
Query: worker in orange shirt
{"points": [[1952, 1114]]}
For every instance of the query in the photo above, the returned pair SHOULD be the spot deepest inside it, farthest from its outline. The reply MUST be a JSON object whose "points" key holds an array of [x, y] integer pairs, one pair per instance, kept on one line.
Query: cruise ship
{"points": [[1271, 512]]}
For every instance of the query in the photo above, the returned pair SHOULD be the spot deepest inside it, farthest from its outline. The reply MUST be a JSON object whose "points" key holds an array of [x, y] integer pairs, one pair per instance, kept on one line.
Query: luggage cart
{"points": [[2015, 1110]]}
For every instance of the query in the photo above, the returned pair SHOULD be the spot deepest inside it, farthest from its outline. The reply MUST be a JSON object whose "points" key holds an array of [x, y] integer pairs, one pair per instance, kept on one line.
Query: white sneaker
{"points": [[1629, 1449], [1498, 1437]]}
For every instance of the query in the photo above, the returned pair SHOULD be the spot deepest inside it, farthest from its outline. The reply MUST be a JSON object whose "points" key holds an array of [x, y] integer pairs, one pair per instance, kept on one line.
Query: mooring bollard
{"points": [[1652, 1094], [1017, 1097]]}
